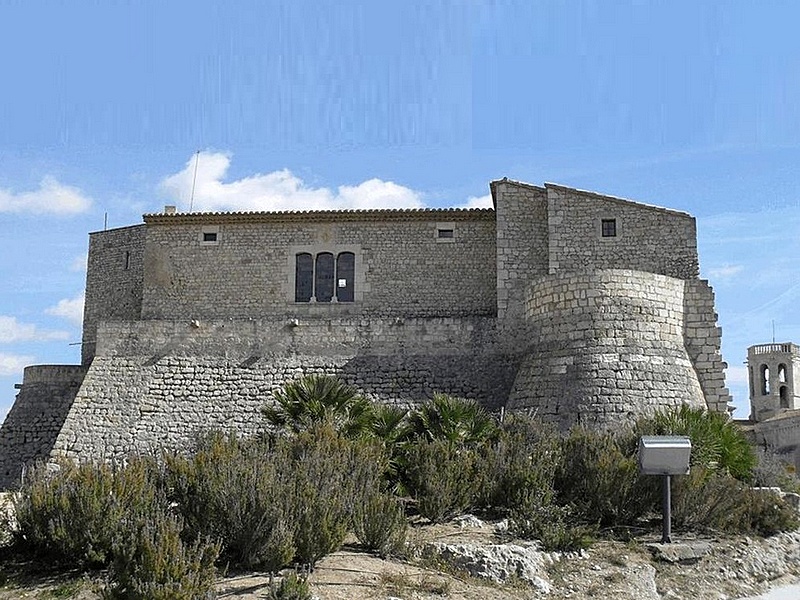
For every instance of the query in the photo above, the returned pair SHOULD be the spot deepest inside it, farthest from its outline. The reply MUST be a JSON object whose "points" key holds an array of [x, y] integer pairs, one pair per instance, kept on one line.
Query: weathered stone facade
{"points": [[576, 306], [774, 423]]}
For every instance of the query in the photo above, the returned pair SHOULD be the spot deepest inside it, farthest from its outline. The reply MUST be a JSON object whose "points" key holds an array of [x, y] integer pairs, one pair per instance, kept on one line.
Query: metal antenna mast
{"points": [[194, 180]]}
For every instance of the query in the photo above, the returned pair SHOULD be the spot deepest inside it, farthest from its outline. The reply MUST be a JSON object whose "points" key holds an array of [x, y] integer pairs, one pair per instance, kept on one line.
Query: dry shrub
{"points": [[151, 562], [71, 513], [380, 523]]}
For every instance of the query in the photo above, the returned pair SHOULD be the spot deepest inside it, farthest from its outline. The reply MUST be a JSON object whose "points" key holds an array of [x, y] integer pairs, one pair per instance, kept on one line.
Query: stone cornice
{"points": [[323, 216]]}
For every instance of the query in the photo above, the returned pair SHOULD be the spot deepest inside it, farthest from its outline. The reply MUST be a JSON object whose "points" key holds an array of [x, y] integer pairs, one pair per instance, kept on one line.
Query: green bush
{"points": [[602, 481], [151, 562], [71, 513], [765, 513], [442, 477], [330, 475], [270, 504], [553, 525], [231, 490], [707, 500], [770, 471], [520, 464], [292, 586], [380, 523], [717, 442]]}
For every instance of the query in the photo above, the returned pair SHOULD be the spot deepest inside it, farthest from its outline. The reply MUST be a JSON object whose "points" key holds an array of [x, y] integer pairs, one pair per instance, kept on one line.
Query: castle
{"points": [[576, 306]]}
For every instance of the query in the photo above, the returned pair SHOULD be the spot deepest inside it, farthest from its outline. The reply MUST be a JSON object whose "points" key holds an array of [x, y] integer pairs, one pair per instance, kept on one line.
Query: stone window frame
{"points": [[359, 278], [617, 224], [206, 231], [445, 232]]}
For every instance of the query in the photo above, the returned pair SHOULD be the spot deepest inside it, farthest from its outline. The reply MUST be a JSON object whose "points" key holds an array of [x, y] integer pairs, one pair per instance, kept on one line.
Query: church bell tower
{"points": [[771, 369]]}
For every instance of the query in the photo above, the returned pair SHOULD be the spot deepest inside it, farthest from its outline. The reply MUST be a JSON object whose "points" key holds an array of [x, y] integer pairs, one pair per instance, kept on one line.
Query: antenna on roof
{"points": [[773, 331], [194, 180]]}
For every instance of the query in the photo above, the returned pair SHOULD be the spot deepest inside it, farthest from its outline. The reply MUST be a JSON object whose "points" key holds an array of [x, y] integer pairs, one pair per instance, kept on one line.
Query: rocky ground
{"points": [[467, 559]]}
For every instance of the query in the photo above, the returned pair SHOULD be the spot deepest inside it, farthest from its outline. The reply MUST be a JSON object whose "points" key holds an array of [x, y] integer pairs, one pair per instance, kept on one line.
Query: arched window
{"points": [[782, 373], [303, 277], [345, 276], [323, 277], [784, 397], [764, 380]]}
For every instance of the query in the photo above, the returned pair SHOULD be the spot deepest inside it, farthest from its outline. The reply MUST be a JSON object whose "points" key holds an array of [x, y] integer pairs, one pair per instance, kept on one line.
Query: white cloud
{"points": [[725, 271], [79, 263], [479, 202], [12, 364], [12, 331], [52, 197], [279, 190], [68, 308]]}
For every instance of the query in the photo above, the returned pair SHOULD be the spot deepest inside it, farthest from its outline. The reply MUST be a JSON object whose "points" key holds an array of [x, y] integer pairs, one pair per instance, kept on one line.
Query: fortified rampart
{"points": [[37, 416], [608, 343], [157, 383], [576, 306]]}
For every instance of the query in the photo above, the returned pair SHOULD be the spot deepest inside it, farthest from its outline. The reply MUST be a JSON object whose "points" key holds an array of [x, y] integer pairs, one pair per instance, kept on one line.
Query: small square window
{"points": [[209, 235], [445, 232], [608, 227]]}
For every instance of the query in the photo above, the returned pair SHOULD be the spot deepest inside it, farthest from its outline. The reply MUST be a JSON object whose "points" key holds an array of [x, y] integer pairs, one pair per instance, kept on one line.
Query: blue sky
{"points": [[311, 104]]}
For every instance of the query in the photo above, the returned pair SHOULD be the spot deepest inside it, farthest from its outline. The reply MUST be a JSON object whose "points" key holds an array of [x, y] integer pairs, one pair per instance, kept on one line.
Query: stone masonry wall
{"points": [[402, 268], [608, 347], [34, 421], [521, 212], [703, 341], [779, 435], [157, 384], [113, 280], [648, 238]]}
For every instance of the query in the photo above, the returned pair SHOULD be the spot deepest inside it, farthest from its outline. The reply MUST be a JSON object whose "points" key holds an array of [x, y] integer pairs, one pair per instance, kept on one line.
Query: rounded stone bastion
{"points": [[607, 347]]}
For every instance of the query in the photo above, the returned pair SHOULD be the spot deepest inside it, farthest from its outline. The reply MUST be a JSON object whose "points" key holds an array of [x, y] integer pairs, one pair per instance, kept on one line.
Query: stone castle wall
{"points": [[651, 239], [608, 346], [114, 276], [779, 435], [156, 384], [35, 420], [703, 341], [402, 267], [521, 212]]}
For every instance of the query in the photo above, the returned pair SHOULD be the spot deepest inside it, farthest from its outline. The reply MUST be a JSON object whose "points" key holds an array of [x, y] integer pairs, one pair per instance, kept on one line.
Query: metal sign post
{"points": [[666, 507], [666, 456]]}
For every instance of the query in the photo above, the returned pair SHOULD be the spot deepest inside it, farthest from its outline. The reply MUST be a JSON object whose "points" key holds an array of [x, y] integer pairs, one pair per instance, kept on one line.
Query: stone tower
{"points": [[771, 369]]}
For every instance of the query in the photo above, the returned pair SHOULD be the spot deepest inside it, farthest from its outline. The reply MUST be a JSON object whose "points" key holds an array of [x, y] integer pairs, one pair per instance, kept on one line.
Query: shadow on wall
{"points": [[412, 379]]}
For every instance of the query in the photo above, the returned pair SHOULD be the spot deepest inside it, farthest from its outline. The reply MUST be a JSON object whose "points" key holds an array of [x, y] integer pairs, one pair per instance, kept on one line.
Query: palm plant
{"points": [[390, 424], [320, 399], [452, 419], [717, 442]]}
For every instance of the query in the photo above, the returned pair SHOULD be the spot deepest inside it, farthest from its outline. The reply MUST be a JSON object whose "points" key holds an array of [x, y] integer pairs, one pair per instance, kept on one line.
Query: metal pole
{"points": [[666, 501]]}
